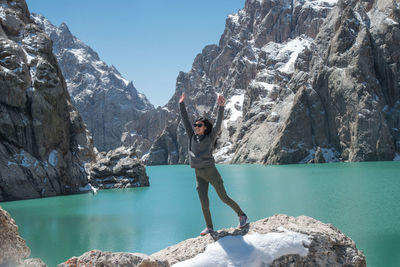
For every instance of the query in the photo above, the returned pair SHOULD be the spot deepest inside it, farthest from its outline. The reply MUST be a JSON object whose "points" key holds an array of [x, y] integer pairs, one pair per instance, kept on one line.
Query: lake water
{"points": [[361, 199]]}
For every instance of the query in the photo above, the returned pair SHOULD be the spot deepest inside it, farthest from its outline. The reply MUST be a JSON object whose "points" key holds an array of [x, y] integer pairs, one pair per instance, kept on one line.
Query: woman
{"points": [[201, 146]]}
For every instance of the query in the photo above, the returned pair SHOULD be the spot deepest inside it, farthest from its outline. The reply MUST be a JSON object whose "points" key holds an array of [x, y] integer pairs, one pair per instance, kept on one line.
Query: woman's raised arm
{"points": [[220, 117], [184, 116]]}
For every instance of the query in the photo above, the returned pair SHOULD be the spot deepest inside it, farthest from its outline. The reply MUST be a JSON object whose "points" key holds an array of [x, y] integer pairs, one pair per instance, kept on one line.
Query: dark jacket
{"points": [[201, 146]]}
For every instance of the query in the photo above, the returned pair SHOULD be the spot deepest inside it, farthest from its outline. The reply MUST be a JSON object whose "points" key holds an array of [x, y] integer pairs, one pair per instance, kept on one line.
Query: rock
{"points": [[12, 247], [105, 100], [143, 132], [318, 158], [43, 141], [118, 168], [34, 262], [329, 246], [99, 258]]}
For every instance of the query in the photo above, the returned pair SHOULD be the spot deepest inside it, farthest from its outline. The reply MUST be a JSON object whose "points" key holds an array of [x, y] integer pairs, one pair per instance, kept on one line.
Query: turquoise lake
{"points": [[361, 199]]}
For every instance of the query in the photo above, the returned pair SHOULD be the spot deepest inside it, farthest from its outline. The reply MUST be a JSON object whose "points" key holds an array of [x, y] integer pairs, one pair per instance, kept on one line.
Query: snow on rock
{"points": [[234, 107], [223, 154], [251, 250], [53, 158], [316, 4], [290, 51], [329, 155], [88, 188]]}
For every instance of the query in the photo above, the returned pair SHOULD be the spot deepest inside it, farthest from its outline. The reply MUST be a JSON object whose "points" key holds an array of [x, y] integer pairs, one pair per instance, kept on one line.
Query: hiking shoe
{"points": [[243, 221], [206, 231]]}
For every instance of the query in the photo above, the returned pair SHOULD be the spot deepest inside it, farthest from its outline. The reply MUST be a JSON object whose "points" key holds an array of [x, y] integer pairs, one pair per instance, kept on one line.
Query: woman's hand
{"points": [[221, 100], [182, 98]]}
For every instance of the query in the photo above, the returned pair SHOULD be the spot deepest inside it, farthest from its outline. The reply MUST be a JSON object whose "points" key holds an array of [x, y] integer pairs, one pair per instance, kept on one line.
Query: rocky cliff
{"points": [[305, 81], [304, 242], [13, 249], [43, 141], [105, 100]]}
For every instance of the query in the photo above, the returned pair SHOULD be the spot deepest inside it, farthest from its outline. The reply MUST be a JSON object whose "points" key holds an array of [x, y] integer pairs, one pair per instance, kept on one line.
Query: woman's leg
{"points": [[216, 181], [202, 190]]}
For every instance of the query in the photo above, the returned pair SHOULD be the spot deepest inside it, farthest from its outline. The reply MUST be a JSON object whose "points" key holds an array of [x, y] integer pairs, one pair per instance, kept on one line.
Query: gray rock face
{"points": [[43, 141], [99, 258], [329, 246], [348, 91], [299, 77], [12, 247], [102, 96], [118, 168]]}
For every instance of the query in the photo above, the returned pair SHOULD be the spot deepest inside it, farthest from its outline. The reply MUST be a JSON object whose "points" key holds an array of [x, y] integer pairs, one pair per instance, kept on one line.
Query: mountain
{"points": [[43, 140], [102, 96], [305, 81]]}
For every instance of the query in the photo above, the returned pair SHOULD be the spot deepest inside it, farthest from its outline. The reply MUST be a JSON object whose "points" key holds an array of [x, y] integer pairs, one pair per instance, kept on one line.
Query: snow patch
{"points": [[316, 4], [201, 109], [292, 48], [234, 104], [88, 188], [24, 159], [125, 81], [3, 15], [390, 21], [11, 163], [53, 158], [80, 54], [145, 156], [234, 18], [330, 155], [251, 250], [359, 18], [222, 155]]}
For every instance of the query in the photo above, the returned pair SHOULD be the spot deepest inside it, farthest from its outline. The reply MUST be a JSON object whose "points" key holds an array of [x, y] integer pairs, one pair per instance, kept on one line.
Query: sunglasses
{"points": [[198, 125]]}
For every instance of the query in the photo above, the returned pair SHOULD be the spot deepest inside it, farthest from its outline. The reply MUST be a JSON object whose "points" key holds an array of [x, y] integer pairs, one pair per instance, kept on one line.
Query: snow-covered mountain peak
{"points": [[105, 99]]}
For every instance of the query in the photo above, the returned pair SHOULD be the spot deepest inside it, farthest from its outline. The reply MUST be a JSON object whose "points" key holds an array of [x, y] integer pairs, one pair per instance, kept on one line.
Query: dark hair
{"points": [[207, 123]]}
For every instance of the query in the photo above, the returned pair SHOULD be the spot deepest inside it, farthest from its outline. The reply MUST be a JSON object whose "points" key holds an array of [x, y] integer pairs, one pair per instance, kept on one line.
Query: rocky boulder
{"points": [[99, 258], [43, 141], [118, 168], [317, 244], [327, 245]]}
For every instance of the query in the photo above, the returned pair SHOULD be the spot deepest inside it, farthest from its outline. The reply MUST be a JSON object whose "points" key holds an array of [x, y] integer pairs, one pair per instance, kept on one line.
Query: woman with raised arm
{"points": [[201, 146]]}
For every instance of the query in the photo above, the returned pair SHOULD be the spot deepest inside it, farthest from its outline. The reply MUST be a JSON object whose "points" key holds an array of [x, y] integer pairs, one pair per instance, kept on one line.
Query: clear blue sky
{"points": [[148, 41]]}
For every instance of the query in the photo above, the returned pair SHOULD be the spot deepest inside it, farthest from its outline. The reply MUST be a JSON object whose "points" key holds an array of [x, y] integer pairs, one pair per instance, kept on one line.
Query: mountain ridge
{"points": [[104, 98]]}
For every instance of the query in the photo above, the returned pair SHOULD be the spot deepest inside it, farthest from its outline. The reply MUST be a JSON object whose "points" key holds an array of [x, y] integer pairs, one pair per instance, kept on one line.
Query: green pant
{"points": [[210, 175]]}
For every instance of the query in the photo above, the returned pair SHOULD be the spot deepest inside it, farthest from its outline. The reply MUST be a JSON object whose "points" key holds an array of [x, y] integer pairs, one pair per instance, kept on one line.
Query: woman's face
{"points": [[199, 128]]}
